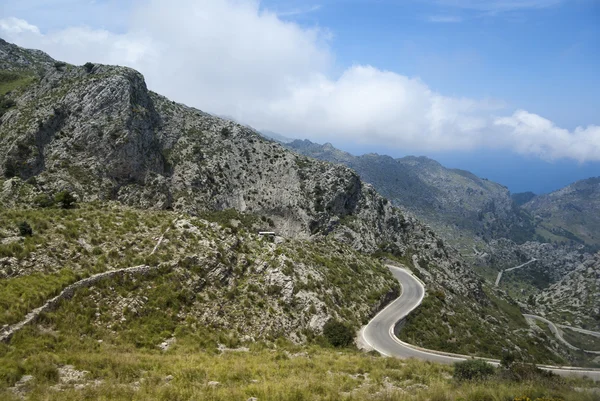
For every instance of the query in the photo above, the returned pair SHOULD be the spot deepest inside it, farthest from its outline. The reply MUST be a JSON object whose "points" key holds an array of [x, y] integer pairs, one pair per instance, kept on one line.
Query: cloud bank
{"points": [[231, 57]]}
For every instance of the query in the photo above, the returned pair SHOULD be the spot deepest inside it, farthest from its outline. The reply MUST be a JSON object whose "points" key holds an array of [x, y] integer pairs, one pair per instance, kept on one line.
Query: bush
{"points": [[225, 132], [338, 334], [5, 105], [520, 372], [59, 65], [42, 367], [473, 369], [43, 200], [507, 360], [65, 199], [88, 67], [25, 229]]}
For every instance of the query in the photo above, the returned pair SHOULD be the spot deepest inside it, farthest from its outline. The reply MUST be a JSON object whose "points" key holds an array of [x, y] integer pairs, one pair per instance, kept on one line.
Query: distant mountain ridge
{"points": [[454, 202], [570, 214]]}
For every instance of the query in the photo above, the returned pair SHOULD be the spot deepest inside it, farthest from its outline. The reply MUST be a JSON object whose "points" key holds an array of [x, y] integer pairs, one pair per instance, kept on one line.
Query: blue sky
{"points": [[544, 59], [508, 89]]}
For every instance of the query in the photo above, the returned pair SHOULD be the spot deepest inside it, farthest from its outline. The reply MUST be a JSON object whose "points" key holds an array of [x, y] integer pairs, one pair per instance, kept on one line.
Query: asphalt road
{"points": [[558, 334], [511, 269], [379, 332], [553, 329]]}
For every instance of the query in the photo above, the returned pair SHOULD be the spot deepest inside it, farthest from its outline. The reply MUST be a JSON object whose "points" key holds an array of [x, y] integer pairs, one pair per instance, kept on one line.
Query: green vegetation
{"points": [[522, 198], [469, 331], [25, 229], [213, 287], [194, 368], [203, 266], [65, 199], [11, 81], [5, 105], [88, 239], [20, 295], [88, 67], [338, 334], [473, 369], [43, 200]]}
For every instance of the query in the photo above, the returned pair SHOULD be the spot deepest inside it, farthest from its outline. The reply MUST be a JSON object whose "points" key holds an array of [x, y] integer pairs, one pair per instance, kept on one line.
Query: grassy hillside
{"points": [[73, 366], [222, 275]]}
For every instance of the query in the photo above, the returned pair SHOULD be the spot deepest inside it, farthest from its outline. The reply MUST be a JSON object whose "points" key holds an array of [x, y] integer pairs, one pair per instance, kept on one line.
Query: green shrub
{"points": [[43, 367], [338, 334], [88, 67], [43, 200], [59, 65], [25, 229], [10, 372], [5, 105], [520, 372], [473, 369], [225, 132], [508, 358], [65, 199]]}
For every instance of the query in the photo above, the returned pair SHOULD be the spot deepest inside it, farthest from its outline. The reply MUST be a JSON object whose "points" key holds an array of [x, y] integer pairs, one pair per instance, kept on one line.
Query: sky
{"points": [[508, 89]]}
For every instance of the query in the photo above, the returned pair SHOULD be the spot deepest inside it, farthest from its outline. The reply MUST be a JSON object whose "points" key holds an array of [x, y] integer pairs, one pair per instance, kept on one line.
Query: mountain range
{"points": [[460, 205]]}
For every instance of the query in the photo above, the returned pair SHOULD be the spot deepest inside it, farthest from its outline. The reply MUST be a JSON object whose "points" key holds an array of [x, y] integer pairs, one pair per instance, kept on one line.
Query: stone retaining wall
{"points": [[67, 293]]}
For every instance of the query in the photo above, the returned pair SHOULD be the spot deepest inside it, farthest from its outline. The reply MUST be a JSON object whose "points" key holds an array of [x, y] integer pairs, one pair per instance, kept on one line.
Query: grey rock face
{"points": [[16, 58]]}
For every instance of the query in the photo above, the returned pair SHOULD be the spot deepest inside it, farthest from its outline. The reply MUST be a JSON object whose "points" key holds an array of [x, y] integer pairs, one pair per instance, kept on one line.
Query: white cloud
{"points": [[231, 58], [532, 134], [15, 26]]}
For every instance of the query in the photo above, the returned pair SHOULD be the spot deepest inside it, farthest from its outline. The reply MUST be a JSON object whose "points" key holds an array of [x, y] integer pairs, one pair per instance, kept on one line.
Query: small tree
{"points": [[89, 67], [225, 132], [508, 358], [338, 334], [25, 229], [65, 199]]}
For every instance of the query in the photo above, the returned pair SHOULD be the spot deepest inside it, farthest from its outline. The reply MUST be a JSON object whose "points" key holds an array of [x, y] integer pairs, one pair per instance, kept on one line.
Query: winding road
{"points": [[511, 269], [558, 334], [379, 335]]}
